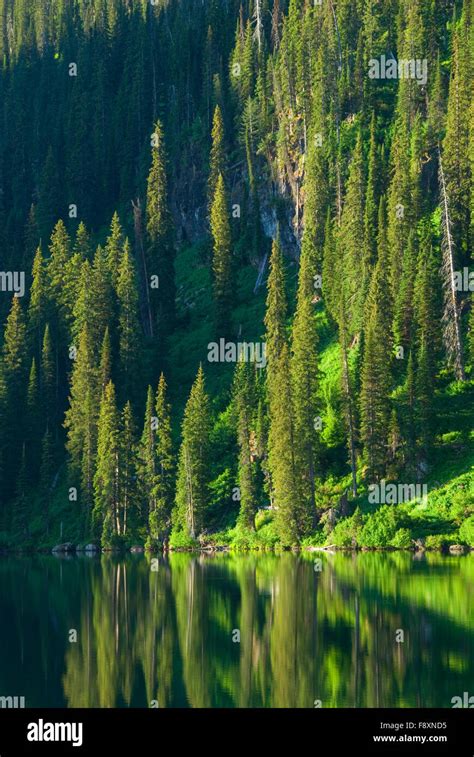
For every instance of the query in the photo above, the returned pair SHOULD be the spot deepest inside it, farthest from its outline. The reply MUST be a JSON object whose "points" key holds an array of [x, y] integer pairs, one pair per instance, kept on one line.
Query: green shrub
{"points": [[267, 536], [346, 532], [466, 532], [243, 540], [440, 541], [318, 539], [380, 527], [179, 539], [263, 517], [402, 539]]}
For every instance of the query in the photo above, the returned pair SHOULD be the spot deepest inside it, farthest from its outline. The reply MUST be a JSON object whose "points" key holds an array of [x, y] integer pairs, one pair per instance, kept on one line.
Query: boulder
{"points": [[91, 548], [67, 547], [456, 549]]}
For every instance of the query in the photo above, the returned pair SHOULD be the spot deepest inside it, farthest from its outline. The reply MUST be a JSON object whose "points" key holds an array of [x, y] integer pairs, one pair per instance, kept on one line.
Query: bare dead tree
{"points": [[257, 17], [451, 319]]}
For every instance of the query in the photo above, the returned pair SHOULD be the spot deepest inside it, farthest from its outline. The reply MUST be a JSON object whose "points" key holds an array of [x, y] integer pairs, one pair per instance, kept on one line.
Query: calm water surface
{"points": [[169, 636]]}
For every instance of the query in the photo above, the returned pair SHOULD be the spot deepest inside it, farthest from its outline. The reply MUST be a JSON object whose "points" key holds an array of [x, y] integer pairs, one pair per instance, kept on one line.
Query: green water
{"points": [[169, 636]]}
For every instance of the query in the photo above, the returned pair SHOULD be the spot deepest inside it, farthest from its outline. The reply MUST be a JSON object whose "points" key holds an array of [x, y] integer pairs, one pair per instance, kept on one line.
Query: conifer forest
{"points": [[236, 274]]}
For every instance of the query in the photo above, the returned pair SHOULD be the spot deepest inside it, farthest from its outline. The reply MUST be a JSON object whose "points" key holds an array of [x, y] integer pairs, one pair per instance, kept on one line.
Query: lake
{"points": [[353, 630]]}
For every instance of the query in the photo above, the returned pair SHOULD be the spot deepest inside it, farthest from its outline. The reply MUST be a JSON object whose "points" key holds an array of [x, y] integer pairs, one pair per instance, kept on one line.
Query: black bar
{"points": [[342, 731]]}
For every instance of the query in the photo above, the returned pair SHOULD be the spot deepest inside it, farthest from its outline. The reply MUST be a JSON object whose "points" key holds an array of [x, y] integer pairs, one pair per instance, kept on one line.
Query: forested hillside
{"points": [[245, 229]]}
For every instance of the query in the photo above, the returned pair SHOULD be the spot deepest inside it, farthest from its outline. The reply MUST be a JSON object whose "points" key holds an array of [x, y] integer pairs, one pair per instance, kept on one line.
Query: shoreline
{"points": [[72, 550]]}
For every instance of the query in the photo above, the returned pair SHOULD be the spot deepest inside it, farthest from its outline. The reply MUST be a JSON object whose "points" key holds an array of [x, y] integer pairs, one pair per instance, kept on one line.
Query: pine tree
{"points": [[129, 325], [304, 368], [427, 296], [147, 462], [244, 398], [403, 315], [292, 520], [105, 365], [222, 257], [81, 423], [192, 493], [380, 291], [107, 474], [316, 195], [14, 343], [400, 217], [292, 523], [93, 304], [372, 197], [60, 250], [331, 273], [375, 388], [351, 240], [160, 517], [218, 154], [127, 473], [82, 244], [38, 307], [412, 46], [72, 282], [276, 312], [114, 248], [102, 296], [456, 142], [160, 252]]}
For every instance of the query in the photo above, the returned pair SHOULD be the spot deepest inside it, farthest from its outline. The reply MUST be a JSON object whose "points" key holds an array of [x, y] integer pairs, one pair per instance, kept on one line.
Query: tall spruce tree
{"points": [[81, 424], [291, 518], [222, 257], [304, 369], [375, 384], [218, 154], [107, 516], [160, 517], [146, 457], [160, 251], [192, 493], [129, 326], [244, 398], [351, 240], [38, 306], [456, 142], [128, 496]]}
